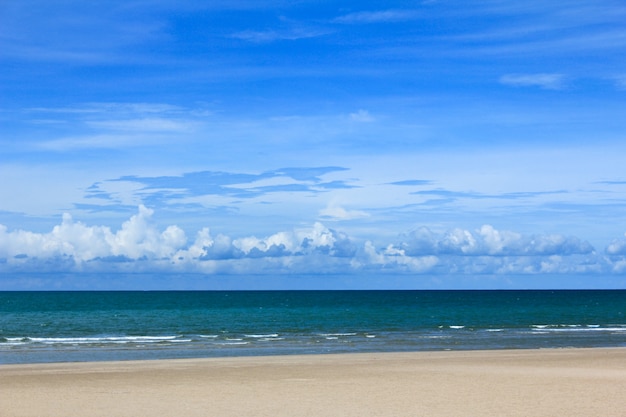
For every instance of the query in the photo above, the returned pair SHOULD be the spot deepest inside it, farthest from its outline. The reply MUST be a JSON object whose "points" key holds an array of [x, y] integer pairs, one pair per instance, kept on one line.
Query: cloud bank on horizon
{"points": [[140, 246], [429, 137]]}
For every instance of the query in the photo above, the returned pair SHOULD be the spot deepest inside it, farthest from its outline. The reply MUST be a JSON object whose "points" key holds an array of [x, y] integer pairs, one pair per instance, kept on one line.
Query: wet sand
{"points": [[549, 382]]}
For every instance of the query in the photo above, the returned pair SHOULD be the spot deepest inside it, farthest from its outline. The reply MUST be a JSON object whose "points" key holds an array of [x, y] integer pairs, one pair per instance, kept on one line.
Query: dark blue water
{"points": [[80, 326]]}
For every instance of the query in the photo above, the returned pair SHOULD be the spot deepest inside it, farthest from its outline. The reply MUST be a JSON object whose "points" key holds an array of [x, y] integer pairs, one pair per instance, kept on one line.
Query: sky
{"points": [[312, 144]]}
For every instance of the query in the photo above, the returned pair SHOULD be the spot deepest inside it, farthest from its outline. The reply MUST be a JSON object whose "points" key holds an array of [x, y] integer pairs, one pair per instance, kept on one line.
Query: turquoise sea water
{"points": [[81, 326]]}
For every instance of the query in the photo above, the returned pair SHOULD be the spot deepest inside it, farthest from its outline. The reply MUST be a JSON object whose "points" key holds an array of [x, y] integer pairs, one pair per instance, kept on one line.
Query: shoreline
{"points": [[280, 356], [519, 382]]}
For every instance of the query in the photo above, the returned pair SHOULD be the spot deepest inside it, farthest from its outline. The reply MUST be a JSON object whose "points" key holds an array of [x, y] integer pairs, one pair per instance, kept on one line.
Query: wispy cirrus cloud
{"points": [[271, 35], [143, 125], [611, 182], [73, 33], [545, 80], [110, 125], [111, 108], [284, 29], [169, 189], [362, 116], [620, 82], [448, 194], [335, 212], [96, 141], [411, 182], [377, 16]]}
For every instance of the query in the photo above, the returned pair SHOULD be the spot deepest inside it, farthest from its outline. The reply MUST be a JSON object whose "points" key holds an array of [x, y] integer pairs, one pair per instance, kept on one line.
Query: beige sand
{"points": [[560, 382]]}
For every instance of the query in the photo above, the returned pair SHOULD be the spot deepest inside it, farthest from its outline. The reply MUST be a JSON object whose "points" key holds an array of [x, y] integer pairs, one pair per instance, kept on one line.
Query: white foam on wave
{"points": [[588, 329], [14, 341], [336, 334], [98, 340], [142, 338], [232, 343], [261, 336], [457, 327], [564, 328]]}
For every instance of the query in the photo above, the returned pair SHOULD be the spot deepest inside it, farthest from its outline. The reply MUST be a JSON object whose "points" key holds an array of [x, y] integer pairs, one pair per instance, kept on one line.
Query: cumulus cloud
{"points": [[488, 250], [80, 247], [140, 245], [616, 252], [136, 239], [617, 247], [393, 259], [487, 241]]}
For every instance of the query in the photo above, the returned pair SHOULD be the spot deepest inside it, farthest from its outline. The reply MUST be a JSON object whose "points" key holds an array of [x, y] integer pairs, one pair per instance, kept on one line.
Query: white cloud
{"points": [[362, 116], [379, 16], [139, 238], [392, 258], [317, 239], [112, 108], [620, 82], [136, 239], [98, 141], [487, 241], [143, 125], [110, 125], [545, 81], [140, 245], [335, 212], [617, 247], [290, 34]]}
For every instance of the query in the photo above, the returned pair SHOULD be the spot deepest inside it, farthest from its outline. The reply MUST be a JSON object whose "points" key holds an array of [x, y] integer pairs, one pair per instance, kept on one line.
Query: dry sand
{"points": [[559, 382]]}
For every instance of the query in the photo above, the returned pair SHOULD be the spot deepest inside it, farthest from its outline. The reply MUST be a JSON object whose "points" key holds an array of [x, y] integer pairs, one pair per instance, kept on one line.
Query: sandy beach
{"points": [[551, 382]]}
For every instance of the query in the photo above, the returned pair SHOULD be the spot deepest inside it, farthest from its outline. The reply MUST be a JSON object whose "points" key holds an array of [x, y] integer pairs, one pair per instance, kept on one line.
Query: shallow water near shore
{"points": [[125, 325]]}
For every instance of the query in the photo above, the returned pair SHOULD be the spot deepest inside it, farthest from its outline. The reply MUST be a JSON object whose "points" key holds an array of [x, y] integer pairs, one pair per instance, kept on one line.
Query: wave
{"points": [[261, 336], [579, 327], [264, 341], [585, 329], [268, 337], [93, 340]]}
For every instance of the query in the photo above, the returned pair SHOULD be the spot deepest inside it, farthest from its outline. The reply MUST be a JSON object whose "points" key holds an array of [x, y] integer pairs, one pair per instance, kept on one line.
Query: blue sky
{"points": [[439, 144]]}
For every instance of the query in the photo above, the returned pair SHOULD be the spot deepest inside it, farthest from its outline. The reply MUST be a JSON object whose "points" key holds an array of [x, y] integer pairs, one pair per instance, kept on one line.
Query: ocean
{"points": [[131, 325]]}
